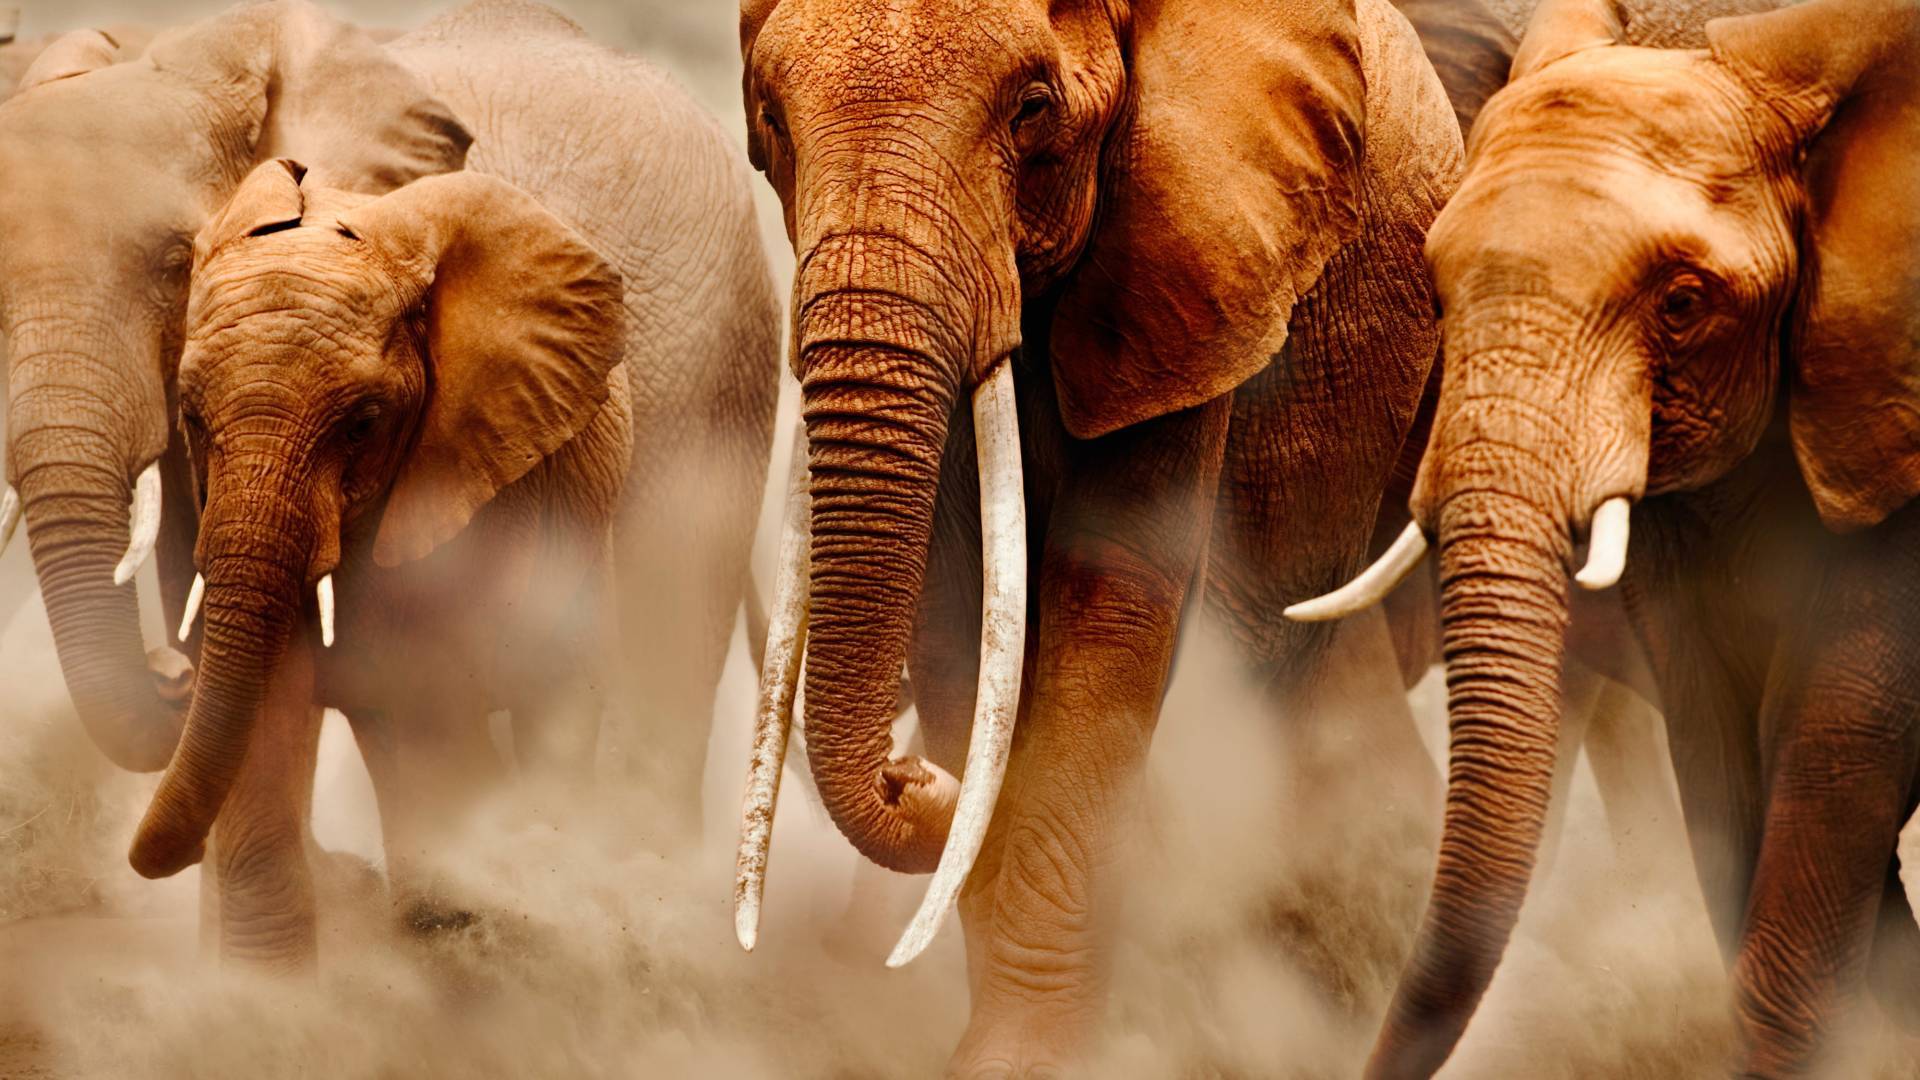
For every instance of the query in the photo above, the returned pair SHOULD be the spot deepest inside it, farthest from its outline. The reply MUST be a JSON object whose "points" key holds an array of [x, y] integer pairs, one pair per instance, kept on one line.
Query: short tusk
{"points": [[1003, 630], [324, 592], [145, 526], [9, 517], [1373, 584], [1606, 545], [780, 666], [194, 595]]}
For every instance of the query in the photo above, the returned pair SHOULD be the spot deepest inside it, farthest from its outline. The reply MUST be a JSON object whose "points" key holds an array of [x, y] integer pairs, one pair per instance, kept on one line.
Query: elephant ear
{"points": [[1854, 95], [524, 324], [70, 54], [328, 95], [268, 200], [1234, 182]]}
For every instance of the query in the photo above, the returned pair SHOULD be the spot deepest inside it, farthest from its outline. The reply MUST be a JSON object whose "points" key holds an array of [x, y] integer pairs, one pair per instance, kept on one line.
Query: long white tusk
{"points": [[1373, 584], [9, 517], [194, 596], [145, 527], [324, 592], [1606, 545], [1003, 631], [780, 665]]}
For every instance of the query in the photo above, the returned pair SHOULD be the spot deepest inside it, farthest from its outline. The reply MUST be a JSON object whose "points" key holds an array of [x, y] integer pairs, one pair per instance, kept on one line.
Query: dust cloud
{"points": [[1259, 937]]}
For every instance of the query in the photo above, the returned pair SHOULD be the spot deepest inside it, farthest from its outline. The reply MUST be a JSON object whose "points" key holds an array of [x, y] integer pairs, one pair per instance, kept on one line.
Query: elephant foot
{"points": [[1033, 1042], [1008, 1066]]}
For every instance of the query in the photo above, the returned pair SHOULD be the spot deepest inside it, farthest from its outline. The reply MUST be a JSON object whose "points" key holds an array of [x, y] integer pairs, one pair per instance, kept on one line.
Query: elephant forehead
{"points": [[312, 271], [1675, 111], [894, 49]]}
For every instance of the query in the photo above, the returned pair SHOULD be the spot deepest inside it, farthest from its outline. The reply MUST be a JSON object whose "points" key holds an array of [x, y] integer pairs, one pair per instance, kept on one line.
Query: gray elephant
{"points": [[132, 160]]}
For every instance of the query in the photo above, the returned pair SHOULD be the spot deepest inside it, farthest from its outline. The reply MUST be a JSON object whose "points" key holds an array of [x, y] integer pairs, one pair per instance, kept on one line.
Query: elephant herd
{"points": [[436, 373]]}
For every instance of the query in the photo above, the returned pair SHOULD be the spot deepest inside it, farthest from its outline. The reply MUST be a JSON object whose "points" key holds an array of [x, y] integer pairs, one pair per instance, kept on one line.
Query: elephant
{"points": [[1178, 282], [1679, 304], [611, 146], [424, 395], [106, 175]]}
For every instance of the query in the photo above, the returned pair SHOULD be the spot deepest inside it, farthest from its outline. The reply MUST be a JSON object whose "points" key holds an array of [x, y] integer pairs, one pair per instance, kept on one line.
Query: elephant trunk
{"points": [[73, 450], [876, 415], [1504, 546], [255, 557]]}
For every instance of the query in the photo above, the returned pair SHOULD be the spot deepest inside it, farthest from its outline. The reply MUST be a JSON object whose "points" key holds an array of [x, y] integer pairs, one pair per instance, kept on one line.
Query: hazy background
{"points": [[1260, 939]]}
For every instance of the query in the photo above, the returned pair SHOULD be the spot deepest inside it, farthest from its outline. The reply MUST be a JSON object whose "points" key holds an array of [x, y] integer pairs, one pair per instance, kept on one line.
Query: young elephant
{"points": [[1168, 252], [1669, 276], [409, 410]]}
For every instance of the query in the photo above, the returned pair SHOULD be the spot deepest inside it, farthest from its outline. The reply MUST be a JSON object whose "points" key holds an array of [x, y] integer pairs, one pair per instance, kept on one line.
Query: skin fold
{"points": [[1218, 347], [1686, 277]]}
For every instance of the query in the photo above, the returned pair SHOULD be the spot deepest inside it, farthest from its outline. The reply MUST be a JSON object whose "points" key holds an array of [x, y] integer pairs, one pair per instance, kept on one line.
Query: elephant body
{"points": [[1678, 299], [1180, 280], [640, 521], [621, 152]]}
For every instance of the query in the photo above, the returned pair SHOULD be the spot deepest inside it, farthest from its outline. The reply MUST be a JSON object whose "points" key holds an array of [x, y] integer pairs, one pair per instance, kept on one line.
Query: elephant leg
{"points": [[258, 846], [429, 761], [1710, 699], [1844, 707], [1121, 551], [556, 720], [1631, 770]]}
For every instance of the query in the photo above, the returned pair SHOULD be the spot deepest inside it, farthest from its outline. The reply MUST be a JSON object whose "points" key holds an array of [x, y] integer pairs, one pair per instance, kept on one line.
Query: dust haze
{"points": [[1260, 938]]}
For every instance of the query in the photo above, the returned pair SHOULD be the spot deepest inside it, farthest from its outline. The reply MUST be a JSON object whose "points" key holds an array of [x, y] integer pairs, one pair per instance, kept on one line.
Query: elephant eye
{"points": [[1034, 104], [1684, 302], [360, 426]]}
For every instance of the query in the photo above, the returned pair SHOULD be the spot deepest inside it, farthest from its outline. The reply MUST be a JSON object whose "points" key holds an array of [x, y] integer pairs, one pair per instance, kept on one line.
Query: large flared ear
{"points": [[68, 55], [524, 323], [1560, 28], [1234, 181], [1847, 73], [267, 200], [328, 95]]}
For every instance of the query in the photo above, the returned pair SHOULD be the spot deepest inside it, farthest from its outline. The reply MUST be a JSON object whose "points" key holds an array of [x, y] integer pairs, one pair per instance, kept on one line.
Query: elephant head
{"points": [[361, 376], [1149, 188], [107, 171], [1646, 242]]}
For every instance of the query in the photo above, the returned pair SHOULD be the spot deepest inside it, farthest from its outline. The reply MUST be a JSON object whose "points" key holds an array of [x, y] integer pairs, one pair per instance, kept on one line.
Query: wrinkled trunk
{"points": [[1503, 559], [255, 554], [881, 374], [73, 448]]}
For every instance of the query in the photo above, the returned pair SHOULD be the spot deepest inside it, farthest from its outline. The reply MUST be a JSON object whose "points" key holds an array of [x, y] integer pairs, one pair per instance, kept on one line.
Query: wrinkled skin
{"points": [[106, 174], [1686, 277], [1180, 372], [319, 450]]}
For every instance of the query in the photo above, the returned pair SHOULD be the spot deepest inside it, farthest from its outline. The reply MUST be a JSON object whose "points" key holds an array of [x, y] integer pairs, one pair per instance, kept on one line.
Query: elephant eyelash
{"points": [[1035, 103]]}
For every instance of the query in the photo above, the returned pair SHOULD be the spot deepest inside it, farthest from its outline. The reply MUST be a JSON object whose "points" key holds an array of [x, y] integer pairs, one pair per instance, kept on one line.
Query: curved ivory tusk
{"points": [[1003, 629], [324, 593], [145, 526], [1373, 584], [780, 665], [1606, 545], [9, 517], [194, 596]]}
